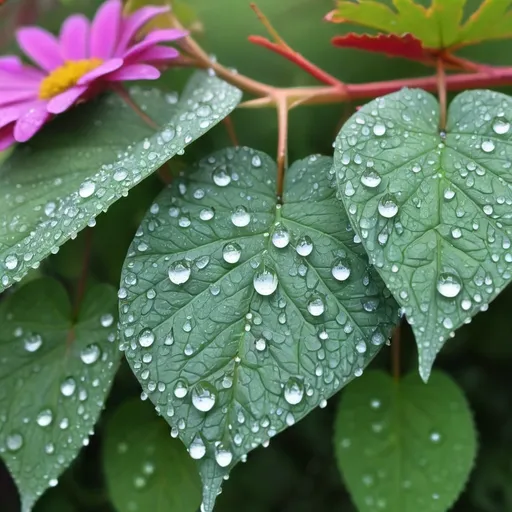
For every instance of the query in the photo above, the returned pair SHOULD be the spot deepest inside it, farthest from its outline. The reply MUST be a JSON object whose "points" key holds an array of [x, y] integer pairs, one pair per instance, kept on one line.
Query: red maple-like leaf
{"points": [[406, 46]]}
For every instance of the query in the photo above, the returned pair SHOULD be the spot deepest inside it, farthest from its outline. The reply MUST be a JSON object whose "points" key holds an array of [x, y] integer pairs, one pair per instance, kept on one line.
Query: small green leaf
{"points": [[404, 446], [432, 210], [55, 375], [55, 186], [239, 315], [145, 468]]}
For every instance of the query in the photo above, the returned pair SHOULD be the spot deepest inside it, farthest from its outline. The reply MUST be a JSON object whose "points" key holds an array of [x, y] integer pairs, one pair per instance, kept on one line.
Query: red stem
{"points": [[230, 128], [298, 59]]}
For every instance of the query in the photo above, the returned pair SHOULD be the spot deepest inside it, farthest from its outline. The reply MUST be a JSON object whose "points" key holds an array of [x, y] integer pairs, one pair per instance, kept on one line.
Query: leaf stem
{"points": [[441, 91], [230, 128], [282, 144], [125, 96], [395, 352]]}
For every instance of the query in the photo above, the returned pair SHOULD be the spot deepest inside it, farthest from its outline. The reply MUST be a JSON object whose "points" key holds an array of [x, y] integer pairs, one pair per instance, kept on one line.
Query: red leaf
{"points": [[406, 46]]}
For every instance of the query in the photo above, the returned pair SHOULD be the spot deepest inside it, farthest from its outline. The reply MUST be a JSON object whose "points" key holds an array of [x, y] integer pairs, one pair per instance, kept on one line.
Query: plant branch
{"points": [[230, 128], [125, 96]]}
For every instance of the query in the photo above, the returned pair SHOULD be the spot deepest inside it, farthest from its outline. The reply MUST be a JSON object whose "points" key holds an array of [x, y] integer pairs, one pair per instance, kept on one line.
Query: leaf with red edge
{"points": [[439, 26], [406, 46]]}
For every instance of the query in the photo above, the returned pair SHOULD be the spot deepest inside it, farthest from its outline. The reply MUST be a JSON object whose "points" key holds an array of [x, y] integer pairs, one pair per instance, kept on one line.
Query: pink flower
{"points": [[82, 61]]}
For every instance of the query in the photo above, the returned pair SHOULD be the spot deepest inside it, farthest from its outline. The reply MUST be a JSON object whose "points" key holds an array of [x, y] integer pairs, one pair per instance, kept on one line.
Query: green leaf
{"points": [[144, 467], [233, 334], [432, 210], [438, 26], [404, 446], [55, 375], [55, 186]]}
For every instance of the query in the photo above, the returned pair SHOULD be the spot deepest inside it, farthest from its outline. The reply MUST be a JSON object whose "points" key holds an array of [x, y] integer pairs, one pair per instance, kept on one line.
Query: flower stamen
{"points": [[66, 76]]}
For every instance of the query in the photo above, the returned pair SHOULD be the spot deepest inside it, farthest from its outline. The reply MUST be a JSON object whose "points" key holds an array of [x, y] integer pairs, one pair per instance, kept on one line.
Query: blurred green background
{"points": [[297, 471]]}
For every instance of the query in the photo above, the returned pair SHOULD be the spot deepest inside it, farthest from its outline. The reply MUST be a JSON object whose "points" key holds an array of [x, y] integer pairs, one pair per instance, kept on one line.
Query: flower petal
{"points": [[105, 29], [74, 38], [104, 69], [12, 113], [11, 81], [134, 23], [41, 46], [134, 72], [31, 122], [8, 97], [10, 63], [158, 54], [6, 137], [63, 101], [152, 39]]}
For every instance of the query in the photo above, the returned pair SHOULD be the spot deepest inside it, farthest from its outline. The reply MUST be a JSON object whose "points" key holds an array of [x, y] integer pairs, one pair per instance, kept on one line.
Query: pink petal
{"points": [[152, 39], [134, 23], [40, 46], [134, 72], [31, 122], [10, 63], [63, 101], [158, 54], [74, 36], [105, 29], [16, 96], [6, 138], [12, 113], [9, 81], [103, 69]]}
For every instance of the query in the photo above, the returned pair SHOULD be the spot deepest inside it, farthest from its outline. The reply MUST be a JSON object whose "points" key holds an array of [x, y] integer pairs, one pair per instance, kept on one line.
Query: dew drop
{"points": [[370, 179], [387, 206], [68, 386], [488, 146], [240, 217], [90, 354], [180, 389], [260, 344], [44, 418], [294, 391], [33, 343], [501, 126], [304, 246], [448, 285], [379, 129], [86, 189], [14, 442], [223, 457], [11, 262], [280, 237], [146, 338], [316, 306], [340, 270], [204, 396], [265, 281], [179, 272], [207, 214], [197, 449], [221, 178], [231, 253]]}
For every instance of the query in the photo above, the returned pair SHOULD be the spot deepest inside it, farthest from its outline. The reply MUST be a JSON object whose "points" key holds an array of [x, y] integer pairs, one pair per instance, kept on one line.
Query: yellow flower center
{"points": [[66, 76]]}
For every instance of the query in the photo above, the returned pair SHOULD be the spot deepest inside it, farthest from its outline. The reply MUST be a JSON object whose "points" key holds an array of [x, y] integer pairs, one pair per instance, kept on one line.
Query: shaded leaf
{"points": [[55, 375], [404, 446], [230, 315], [433, 210], [439, 26], [406, 46], [144, 467], [86, 160]]}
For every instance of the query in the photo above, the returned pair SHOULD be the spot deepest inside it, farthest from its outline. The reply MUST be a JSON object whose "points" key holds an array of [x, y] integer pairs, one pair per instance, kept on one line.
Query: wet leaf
{"points": [[433, 210], [55, 376], [239, 316], [144, 467], [86, 160], [404, 446], [439, 26]]}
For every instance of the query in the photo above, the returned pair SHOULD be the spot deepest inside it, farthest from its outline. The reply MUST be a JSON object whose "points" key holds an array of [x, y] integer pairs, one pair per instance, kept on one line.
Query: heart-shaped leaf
{"points": [[432, 209], [404, 446], [145, 468], [55, 186], [55, 375], [240, 315]]}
